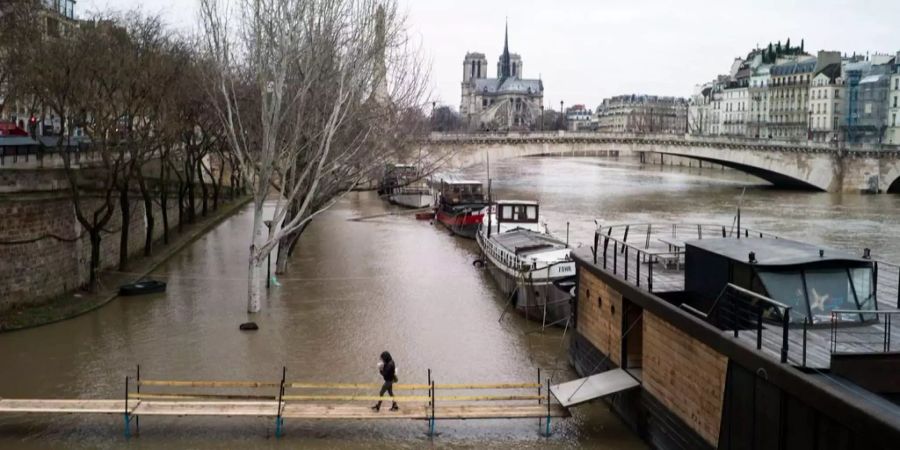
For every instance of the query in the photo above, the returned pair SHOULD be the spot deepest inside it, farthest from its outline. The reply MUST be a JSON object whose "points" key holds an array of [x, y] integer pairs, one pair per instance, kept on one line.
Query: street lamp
{"points": [[542, 117], [268, 258], [562, 116]]}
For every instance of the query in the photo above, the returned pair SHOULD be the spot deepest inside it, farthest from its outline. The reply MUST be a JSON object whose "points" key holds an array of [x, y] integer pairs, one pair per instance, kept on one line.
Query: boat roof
{"points": [[772, 252], [452, 181], [527, 243], [516, 202]]}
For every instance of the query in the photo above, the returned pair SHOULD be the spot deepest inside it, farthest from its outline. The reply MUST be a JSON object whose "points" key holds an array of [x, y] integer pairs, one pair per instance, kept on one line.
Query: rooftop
{"points": [[772, 252]]}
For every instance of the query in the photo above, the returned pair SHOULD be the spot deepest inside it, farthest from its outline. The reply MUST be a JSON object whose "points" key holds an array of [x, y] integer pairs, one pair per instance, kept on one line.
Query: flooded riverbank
{"points": [[356, 288]]}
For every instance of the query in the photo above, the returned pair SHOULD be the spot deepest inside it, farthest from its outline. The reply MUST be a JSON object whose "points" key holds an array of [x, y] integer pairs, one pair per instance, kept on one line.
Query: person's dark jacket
{"points": [[389, 369]]}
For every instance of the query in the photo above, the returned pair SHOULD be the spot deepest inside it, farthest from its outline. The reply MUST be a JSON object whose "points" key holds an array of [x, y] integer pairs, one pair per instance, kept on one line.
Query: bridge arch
{"points": [[778, 179], [894, 187]]}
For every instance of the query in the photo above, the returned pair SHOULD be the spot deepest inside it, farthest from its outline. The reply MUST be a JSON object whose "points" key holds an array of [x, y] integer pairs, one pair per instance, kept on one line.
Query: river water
{"points": [[356, 288]]}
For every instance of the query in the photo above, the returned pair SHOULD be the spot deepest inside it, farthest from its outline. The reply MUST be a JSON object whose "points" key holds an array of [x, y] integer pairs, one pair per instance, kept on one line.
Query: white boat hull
{"points": [[535, 295], [411, 200]]}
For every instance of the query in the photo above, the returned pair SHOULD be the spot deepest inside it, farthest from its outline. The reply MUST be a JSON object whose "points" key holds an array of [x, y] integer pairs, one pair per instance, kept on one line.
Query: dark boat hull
{"points": [[462, 222]]}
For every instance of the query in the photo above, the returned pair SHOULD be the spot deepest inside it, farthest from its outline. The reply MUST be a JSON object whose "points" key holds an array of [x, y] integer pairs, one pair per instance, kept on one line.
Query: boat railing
{"points": [[738, 309], [875, 338], [632, 250], [647, 234]]}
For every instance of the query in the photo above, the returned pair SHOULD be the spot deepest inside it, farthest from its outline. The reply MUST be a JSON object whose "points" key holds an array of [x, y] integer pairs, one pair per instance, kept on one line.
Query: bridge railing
{"points": [[649, 138]]}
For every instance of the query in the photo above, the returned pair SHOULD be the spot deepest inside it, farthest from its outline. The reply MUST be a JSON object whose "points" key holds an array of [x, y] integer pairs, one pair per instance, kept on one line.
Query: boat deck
{"points": [[652, 258]]}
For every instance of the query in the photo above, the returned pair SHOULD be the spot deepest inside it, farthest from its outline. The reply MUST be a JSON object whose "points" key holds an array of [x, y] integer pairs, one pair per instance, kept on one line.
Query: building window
{"points": [[895, 101], [894, 120]]}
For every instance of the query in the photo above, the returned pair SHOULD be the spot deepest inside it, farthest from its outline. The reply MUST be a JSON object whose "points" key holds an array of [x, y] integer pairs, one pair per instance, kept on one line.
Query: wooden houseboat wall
{"points": [[702, 389]]}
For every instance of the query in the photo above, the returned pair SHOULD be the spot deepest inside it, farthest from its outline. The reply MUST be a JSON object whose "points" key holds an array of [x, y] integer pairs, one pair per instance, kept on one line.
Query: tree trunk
{"points": [[181, 212], [286, 249], [203, 190], [164, 202], [257, 264], [95, 259], [125, 209], [148, 211]]}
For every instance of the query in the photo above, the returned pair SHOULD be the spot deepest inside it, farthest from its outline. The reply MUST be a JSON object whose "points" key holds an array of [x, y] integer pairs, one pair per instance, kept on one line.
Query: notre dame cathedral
{"points": [[508, 102]]}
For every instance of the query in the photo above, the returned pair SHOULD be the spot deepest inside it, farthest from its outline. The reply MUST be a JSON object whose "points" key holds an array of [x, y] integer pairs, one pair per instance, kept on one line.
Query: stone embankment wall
{"points": [[44, 251]]}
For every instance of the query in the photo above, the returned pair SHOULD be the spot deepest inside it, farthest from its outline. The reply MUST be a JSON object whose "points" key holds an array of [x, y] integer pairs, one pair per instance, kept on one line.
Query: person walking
{"points": [[388, 370]]}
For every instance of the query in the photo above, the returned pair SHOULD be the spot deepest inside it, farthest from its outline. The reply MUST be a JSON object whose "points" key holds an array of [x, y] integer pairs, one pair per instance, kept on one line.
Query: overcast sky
{"points": [[586, 50]]}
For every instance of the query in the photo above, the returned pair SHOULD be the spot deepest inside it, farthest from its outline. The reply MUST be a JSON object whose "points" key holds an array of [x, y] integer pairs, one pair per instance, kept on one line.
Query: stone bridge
{"points": [[804, 165]]}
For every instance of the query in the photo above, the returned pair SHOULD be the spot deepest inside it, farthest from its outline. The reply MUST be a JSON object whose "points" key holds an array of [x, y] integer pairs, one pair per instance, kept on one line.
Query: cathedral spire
{"points": [[504, 64]]}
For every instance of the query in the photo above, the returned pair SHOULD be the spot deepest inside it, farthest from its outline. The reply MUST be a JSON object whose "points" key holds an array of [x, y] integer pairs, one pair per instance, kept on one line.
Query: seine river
{"points": [[356, 288]]}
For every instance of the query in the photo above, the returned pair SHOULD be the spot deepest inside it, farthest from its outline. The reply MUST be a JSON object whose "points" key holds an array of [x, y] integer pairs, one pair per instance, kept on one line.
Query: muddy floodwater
{"points": [[356, 288]]}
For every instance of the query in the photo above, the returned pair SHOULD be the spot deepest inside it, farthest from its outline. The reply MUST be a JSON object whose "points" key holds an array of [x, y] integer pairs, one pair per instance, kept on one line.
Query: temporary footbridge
{"points": [[302, 400]]}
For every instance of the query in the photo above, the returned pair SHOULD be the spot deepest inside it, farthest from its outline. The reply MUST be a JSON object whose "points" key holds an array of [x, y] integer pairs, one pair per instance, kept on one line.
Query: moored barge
{"points": [[460, 206], [529, 264], [403, 185], [738, 339]]}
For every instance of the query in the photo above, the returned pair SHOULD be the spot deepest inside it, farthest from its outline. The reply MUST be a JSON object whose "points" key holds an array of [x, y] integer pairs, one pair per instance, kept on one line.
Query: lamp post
{"points": [[562, 116], [542, 117], [268, 258]]}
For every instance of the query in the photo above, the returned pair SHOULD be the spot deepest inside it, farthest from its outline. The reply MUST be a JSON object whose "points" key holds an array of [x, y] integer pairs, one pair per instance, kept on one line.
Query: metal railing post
{"points": [[615, 257], [638, 264], [833, 332], [759, 328], [127, 415], [626, 263], [650, 274], [596, 242], [605, 247], [279, 421], [805, 324], [786, 320], [548, 407]]}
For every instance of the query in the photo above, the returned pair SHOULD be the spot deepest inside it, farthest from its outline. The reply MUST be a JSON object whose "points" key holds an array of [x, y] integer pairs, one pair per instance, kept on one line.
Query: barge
{"points": [[460, 206], [403, 185], [531, 266], [736, 340]]}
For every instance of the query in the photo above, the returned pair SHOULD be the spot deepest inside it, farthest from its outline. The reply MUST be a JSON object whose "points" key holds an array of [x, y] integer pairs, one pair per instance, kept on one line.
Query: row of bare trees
{"points": [[297, 102], [134, 91], [315, 96]]}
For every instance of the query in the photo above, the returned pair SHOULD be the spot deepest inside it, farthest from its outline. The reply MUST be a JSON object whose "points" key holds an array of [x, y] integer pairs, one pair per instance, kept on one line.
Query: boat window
{"points": [[830, 289], [787, 288], [507, 212], [531, 213], [862, 278]]}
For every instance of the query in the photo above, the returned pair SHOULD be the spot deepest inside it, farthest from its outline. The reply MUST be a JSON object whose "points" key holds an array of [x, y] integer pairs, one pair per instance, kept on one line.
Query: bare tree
{"points": [[310, 93]]}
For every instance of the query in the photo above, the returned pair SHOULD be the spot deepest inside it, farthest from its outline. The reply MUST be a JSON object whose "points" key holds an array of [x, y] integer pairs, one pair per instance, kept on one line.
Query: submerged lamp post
{"points": [[268, 258]]}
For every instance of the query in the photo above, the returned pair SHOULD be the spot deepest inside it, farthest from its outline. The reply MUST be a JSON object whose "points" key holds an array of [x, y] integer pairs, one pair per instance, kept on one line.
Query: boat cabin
{"points": [[812, 280], [462, 191], [517, 211]]}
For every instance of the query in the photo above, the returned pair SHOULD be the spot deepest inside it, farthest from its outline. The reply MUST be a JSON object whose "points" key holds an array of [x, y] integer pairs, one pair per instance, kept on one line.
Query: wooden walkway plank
{"points": [[62, 406], [419, 411]]}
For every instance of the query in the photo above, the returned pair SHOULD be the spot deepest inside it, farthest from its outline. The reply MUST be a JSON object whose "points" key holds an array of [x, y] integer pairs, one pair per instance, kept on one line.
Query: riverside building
{"points": [[642, 114]]}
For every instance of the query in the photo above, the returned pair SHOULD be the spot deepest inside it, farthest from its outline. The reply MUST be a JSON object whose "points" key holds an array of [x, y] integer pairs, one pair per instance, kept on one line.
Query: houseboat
{"points": [[528, 263], [460, 205], [403, 185], [700, 337]]}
